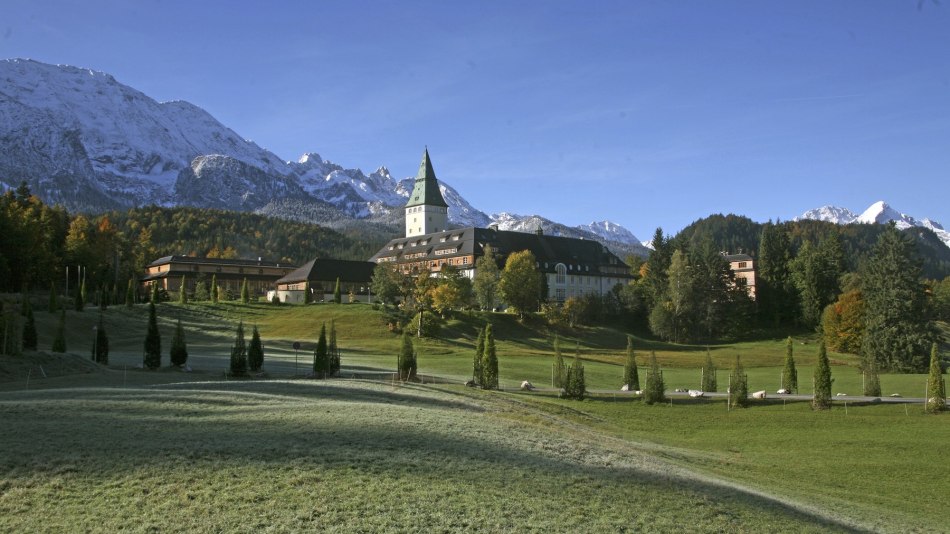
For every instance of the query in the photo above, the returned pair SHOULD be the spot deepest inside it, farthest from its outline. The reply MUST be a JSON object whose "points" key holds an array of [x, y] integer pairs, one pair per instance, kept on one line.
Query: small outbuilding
{"points": [[319, 276]]}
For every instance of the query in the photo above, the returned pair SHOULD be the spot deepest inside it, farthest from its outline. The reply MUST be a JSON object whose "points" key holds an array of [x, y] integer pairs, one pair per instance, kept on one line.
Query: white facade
{"points": [[426, 219]]}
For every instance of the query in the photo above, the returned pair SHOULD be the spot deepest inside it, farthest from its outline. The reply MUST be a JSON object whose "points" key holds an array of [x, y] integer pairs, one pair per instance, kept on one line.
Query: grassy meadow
{"points": [[103, 449]]}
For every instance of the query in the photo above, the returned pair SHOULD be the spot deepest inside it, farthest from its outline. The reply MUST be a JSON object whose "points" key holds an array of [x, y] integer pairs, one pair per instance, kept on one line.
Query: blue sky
{"points": [[644, 113]]}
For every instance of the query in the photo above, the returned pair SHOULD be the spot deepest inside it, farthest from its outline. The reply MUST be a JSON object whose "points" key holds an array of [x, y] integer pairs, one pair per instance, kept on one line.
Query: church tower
{"points": [[426, 211]]}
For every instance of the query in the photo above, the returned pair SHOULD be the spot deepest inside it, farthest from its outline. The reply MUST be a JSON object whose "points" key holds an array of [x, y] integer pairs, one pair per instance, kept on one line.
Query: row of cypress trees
{"points": [[485, 362], [326, 355]]}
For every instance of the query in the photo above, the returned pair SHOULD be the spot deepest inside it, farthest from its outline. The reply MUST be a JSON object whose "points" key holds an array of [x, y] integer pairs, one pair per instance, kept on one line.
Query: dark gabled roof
{"points": [[426, 189], [215, 261], [327, 270], [548, 250], [737, 257]]}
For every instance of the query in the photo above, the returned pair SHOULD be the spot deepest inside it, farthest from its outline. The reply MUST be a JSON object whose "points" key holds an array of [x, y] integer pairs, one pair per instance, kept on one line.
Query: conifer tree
{"points": [[59, 339], [255, 352], [654, 390], [183, 291], [53, 301], [333, 351], [337, 294], [80, 301], [575, 386], [155, 296], [936, 388], [710, 383], [872, 381], [490, 361], [479, 356], [823, 380], [405, 363], [214, 288], [153, 341], [245, 294], [100, 344], [239, 353], [559, 373], [789, 373], [738, 386], [130, 294], [307, 296], [201, 291], [631, 377], [321, 356], [103, 295], [29, 326], [179, 350]]}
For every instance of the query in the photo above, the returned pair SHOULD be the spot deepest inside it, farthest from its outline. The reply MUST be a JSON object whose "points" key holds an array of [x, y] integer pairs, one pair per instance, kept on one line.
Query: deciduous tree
{"points": [[486, 279], [519, 284]]}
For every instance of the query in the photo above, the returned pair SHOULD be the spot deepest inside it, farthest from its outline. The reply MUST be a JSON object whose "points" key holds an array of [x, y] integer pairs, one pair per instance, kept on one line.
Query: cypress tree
{"points": [[872, 381], [130, 294], [245, 293], [201, 291], [936, 388], [490, 361], [631, 377], [103, 296], [155, 296], [153, 341], [710, 383], [575, 384], [823, 380], [337, 294], [183, 291], [321, 357], [59, 339], [100, 345], [789, 374], [307, 296], [239, 353], [29, 326], [214, 288], [255, 353], [115, 294], [333, 351], [53, 301], [80, 301], [559, 375], [179, 351], [479, 355], [404, 362], [655, 388], [738, 386]]}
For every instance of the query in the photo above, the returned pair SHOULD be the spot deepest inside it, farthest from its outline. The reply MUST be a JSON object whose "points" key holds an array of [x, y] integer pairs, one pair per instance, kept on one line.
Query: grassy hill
{"points": [[117, 447]]}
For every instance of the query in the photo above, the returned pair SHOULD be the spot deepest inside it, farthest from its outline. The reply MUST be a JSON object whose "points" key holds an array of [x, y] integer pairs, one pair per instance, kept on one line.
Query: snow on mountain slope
{"points": [[878, 213], [611, 231]]}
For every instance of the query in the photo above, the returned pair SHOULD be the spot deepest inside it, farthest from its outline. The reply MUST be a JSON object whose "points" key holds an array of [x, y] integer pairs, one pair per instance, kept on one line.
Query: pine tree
{"points": [[575, 386], [130, 294], [333, 350], [29, 326], [872, 381], [321, 355], [479, 356], [936, 388], [239, 353], [559, 373], [337, 294], [100, 344], [245, 295], [214, 288], [710, 383], [183, 291], [153, 341], [490, 361], [255, 353], [179, 350], [405, 362], [655, 388], [53, 301], [59, 339], [789, 374], [631, 377], [80, 300], [738, 386], [823, 380]]}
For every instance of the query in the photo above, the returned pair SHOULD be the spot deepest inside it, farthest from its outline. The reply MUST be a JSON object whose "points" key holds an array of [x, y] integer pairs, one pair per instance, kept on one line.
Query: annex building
{"points": [[168, 272], [573, 267]]}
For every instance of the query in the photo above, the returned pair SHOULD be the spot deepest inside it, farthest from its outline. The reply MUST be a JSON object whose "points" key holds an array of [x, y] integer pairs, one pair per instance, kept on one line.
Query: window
{"points": [[561, 273], [742, 264]]}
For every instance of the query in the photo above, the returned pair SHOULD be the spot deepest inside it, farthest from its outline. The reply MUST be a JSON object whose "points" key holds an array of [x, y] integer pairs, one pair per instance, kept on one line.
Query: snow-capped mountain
{"points": [[878, 213], [81, 139]]}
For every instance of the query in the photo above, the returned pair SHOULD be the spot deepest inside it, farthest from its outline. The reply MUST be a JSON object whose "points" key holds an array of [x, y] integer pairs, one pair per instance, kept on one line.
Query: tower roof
{"points": [[426, 189]]}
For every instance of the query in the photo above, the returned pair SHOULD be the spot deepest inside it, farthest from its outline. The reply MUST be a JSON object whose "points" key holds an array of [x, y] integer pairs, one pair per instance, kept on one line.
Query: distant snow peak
{"points": [[879, 212], [611, 231]]}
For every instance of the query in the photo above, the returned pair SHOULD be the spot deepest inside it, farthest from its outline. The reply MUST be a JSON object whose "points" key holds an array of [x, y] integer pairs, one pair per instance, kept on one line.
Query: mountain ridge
{"points": [[879, 212]]}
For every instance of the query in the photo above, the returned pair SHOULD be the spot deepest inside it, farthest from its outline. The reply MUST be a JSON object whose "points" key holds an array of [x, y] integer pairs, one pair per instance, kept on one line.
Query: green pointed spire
{"points": [[426, 190]]}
